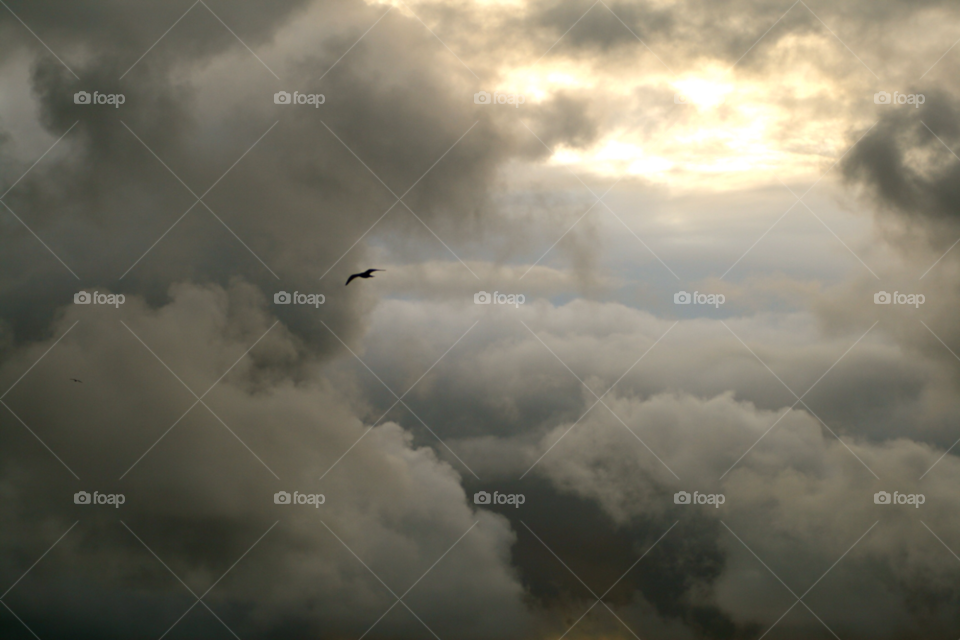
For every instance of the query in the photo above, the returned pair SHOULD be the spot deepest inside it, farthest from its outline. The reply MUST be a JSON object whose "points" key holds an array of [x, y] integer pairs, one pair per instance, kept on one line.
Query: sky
{"points": [[663, 344]]}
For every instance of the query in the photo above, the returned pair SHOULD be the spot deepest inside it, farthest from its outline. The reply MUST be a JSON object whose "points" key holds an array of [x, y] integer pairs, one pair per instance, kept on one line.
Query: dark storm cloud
{"points": [[500, 400], [889, 405], [906, 169], [200, 498], [299, 199], [666, 562], [124, 31], [906, 164], [777, 499]]}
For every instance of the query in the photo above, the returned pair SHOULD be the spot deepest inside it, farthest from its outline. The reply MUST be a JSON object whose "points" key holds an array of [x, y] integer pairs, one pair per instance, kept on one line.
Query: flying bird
{"points": [[366, 274], [75, 380]]}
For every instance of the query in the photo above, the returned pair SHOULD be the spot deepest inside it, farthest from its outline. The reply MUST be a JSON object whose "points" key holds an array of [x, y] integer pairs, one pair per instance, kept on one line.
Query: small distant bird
{"points": [[75, 380], [366, 274]]}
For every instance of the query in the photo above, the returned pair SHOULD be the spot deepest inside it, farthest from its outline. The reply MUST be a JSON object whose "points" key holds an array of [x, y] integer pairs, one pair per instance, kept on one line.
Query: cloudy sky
{"points": [[665, 345]]}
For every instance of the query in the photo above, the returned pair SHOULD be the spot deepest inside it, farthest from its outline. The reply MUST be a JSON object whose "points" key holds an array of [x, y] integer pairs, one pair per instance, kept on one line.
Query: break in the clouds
{"points": [[530, 334]]}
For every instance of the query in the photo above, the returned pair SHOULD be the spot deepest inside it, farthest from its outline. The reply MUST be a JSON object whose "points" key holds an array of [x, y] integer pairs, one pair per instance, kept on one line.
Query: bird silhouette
{"points": [[366, 274], [75, 380]]}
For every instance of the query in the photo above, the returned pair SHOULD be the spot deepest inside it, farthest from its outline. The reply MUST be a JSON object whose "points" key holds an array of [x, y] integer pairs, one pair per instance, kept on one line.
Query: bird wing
{"points": [[356, 275]]}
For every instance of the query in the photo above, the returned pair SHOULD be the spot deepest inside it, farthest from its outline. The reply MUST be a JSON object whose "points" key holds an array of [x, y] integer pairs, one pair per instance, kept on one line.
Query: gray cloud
{"points": [[796, 478], [200, 497], [908, 170], [500, 399]]}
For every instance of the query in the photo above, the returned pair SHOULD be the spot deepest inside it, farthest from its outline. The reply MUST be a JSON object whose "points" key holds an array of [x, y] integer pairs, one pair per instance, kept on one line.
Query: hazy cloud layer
{"points": [[400, 397]]}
